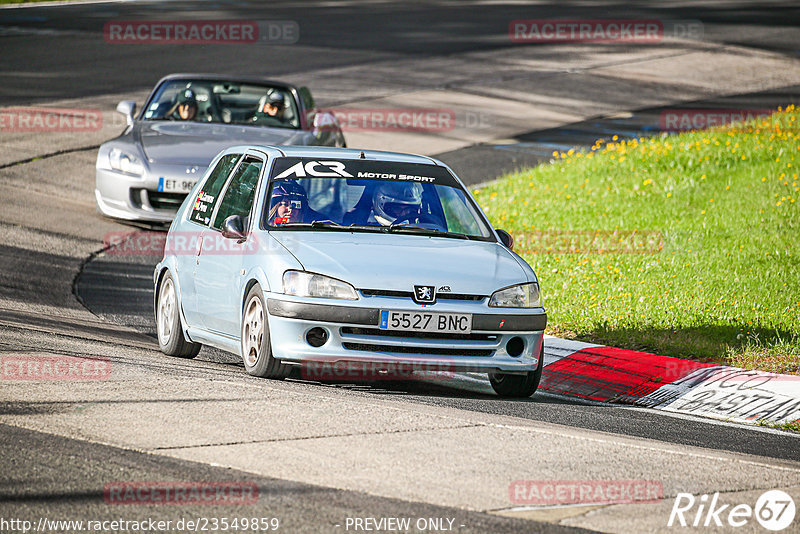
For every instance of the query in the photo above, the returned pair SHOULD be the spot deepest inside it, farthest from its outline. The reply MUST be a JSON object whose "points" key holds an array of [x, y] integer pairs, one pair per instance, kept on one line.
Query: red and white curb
{"points": [[608, 374]]}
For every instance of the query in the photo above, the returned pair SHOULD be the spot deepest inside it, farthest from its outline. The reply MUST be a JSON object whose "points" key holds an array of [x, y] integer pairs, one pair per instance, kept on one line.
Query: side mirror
{"points": [[506, 239], [233, 228], [127, 108]]}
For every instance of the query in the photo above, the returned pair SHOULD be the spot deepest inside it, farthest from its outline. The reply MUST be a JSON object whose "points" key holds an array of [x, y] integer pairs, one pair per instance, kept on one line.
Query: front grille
{"points": [[455, 351], [409, 294], [417, 335], [165, 201]]}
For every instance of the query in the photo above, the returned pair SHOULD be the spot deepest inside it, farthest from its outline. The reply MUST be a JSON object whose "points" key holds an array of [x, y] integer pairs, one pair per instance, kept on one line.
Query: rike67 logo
{"points": [[774, 510]]}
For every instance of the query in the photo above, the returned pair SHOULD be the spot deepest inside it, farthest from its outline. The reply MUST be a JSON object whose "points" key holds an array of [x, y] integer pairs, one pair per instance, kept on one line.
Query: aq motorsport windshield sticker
{"points": [[292, 168]]}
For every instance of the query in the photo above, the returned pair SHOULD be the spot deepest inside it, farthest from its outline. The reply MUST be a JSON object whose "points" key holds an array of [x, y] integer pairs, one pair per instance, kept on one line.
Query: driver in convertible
{"points": [[270, 110], [185, 108]]}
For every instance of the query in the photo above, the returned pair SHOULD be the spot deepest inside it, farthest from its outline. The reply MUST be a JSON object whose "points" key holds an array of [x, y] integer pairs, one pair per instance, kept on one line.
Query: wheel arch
{"points": [[256, 277], [163, 269], [250, 284]]}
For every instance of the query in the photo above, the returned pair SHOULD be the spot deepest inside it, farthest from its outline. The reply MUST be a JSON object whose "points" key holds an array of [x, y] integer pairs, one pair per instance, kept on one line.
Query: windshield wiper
{"points": [[333, 225], [327, 223], [414, 228]]}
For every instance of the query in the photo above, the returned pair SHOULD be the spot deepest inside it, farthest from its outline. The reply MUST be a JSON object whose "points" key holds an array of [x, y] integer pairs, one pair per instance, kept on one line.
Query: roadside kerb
{"points": [[608, 374]]}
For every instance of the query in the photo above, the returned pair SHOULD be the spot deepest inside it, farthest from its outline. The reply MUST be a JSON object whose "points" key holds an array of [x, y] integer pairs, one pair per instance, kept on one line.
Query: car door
{"points": [[186, 242], [218, 278]]}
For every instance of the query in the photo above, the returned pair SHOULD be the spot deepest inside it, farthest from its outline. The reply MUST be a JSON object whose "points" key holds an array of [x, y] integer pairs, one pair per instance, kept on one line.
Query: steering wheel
{"points": [[421, 218]]}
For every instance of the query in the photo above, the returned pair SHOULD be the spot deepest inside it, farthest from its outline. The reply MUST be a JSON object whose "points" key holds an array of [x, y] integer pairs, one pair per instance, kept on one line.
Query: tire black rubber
{"points": [[177, 345], [265, 366], [518, 386]]}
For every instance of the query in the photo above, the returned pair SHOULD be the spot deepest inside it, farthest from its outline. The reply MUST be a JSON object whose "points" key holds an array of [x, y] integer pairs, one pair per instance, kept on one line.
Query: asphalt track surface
{"points": [[71, 476], [52, 54]]}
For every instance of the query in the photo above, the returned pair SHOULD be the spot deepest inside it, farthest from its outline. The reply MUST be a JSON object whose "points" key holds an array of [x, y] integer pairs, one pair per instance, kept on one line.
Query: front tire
{"points": [[256, 348], [168, 322], [518, 386]]}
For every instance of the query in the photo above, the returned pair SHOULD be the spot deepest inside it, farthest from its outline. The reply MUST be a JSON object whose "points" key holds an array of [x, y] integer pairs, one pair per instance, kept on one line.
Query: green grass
{"points": [[685, 245], [794, 427]]}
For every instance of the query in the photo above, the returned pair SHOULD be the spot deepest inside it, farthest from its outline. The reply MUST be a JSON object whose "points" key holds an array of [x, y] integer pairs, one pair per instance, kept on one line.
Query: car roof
{"points": [[339, 153], [225, 77]]}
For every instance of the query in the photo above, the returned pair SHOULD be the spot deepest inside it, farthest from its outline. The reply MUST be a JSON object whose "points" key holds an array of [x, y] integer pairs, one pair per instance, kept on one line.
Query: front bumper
{"points": [[134, 198], [354, 336]]}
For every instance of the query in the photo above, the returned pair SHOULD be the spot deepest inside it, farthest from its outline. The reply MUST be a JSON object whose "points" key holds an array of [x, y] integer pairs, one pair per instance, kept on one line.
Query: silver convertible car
{"points": [[146, 172], [293, 255]]}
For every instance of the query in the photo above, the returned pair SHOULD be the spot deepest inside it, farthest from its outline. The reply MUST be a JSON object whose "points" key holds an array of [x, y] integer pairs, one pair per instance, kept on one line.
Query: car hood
{"points": [[397, 262], [196, 143]]}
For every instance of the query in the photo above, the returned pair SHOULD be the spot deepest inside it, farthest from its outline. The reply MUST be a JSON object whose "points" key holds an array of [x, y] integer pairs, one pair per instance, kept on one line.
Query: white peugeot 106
{"points": [[290, 255]]}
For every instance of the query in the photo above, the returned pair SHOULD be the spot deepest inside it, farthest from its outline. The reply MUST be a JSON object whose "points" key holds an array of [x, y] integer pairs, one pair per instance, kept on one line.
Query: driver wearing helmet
{"points": [[185, 108], [270, 110], [289, 203], [396, 202]]}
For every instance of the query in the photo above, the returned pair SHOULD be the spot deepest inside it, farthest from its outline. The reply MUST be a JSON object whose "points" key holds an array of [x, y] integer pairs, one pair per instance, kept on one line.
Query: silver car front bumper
{"points": [[134, 198], [354, 336]]}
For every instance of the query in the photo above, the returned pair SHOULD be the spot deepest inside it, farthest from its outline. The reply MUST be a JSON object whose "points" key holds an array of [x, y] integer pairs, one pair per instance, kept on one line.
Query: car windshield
{"points": [[224, 102], [370, 196]]}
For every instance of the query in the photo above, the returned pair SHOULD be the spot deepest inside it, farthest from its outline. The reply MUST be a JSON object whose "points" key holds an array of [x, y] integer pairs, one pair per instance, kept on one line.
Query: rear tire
{"points": [[518, 386], [255, 345], [168, 322]]}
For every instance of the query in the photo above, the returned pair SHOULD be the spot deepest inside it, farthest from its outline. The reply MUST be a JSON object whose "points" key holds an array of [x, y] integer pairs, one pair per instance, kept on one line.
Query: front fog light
{"points": [[519, 296]]}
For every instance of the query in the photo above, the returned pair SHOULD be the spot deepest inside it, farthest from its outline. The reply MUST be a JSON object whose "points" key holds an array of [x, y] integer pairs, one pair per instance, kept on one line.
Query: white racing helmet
{"points": [[395, 200]]}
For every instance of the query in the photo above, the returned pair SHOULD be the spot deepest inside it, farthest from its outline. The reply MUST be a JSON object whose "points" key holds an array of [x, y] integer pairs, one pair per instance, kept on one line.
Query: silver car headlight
{"points": [[120, 161], [519, 296], [303, 284]]}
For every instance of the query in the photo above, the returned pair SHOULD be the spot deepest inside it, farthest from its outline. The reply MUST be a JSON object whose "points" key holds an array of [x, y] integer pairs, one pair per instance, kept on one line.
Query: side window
{"points": [[457, 213], [207, 196], [241, 191]]}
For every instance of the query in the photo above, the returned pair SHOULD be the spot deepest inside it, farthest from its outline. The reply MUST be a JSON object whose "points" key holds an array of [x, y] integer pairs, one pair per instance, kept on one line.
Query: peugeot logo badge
{"points": [[424, 294]]}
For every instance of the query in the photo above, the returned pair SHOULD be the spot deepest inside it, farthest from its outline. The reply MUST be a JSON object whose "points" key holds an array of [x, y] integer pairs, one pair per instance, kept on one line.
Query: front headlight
{"points": [[521, 296], [120, 161], [303, 284]]}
